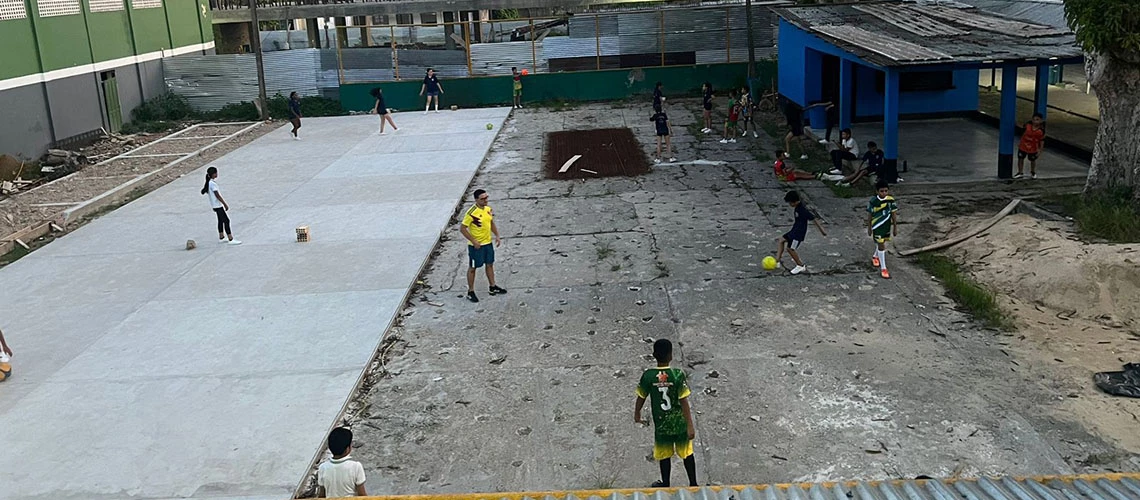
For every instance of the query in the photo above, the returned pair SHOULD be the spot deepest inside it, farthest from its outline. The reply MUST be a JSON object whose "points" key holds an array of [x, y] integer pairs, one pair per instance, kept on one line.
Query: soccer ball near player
{"points": [[769, 262], [489, 126]]}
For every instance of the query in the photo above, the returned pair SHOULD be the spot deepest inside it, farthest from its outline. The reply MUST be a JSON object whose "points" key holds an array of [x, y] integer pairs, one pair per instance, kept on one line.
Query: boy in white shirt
{"points": [[847, 149], [340, 476]]}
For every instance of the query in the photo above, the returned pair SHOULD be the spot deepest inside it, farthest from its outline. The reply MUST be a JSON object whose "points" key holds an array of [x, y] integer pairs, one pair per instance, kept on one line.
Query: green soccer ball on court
{"points": [[489, 126]]}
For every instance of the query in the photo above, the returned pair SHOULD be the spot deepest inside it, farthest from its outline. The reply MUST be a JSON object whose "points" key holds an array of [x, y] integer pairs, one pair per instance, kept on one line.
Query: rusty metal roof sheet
{"points": [[894, 33], [1085, 487]]}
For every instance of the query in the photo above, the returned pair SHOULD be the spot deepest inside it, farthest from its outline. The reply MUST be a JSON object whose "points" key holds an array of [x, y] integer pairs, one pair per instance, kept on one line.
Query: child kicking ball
{"points": [[792, 240]]}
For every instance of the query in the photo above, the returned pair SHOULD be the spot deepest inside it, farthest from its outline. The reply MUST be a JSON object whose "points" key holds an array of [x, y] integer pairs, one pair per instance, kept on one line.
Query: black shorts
{"points": [[662, 132], [708, 106], [793, 243], [1022, 154]]}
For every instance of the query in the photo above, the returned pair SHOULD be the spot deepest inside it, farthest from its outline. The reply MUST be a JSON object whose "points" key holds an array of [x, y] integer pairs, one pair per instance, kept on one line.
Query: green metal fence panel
{"points": [[572, 86]]}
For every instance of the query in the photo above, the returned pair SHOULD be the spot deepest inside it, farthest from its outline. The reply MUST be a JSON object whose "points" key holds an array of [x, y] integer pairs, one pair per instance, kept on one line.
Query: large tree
{"points": [[1109, 32]]}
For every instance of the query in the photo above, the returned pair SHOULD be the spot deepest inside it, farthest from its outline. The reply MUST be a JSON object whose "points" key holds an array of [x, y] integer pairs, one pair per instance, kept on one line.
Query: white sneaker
{"points": [[744, 134], [295, 138], [437, 110], [834, 171], [1031, 176], [383, 133], [832, 177], [673, 160], [898, 179], [724, 141], [222, 240], [733, 140], [803, 157], [235, 242], [823, 141], [844, 184], [706, 130], [799, 269], [425, 111], [657, 160], [754, 134]]}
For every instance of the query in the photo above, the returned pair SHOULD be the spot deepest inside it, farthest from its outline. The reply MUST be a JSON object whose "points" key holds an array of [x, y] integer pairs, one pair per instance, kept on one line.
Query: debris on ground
{"points": [[1121, 383]]}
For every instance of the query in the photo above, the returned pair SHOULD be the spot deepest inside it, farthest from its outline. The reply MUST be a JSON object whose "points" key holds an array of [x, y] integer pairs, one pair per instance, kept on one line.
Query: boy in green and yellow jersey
{"points": [[673, 429], [882, 224]]}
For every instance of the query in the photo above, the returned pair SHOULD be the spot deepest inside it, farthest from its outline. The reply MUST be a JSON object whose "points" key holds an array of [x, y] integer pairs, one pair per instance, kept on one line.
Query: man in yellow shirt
{"points": [[478, 227]]}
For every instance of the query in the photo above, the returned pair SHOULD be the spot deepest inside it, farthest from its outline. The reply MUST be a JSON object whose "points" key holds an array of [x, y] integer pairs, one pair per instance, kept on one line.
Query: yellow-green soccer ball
{"points": [[5, 371], [489, 126], [769, 262]]}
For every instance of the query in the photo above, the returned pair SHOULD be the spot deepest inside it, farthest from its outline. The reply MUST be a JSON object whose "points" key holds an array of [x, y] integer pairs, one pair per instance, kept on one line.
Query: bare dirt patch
{"points": [[1076, 306], [175, 146], [606, 152]]}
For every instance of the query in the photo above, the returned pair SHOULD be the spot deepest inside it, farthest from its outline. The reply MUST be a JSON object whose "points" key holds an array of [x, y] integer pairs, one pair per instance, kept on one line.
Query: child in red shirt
{"points": [[1032, 141], [785, 173]]}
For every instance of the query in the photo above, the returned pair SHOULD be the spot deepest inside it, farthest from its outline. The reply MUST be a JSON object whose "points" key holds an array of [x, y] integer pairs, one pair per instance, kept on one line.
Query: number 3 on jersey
{"points": [[666, 404]]}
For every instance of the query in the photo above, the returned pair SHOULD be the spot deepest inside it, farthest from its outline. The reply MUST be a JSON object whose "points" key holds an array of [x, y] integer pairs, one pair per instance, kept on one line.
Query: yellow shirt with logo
{"points": [[477, 220]]}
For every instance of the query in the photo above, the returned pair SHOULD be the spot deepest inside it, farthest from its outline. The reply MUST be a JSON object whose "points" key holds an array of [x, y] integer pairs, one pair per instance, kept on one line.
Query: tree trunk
{"points": [[1116, 154]]}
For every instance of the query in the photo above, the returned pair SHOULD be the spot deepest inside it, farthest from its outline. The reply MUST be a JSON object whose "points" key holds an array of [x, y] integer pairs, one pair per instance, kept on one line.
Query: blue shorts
{"points": [[485, 254], [433, 94], [793, 243]]}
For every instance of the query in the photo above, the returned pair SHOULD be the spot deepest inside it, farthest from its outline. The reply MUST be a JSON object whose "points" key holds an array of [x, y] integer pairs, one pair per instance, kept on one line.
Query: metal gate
{"points": [[111, 101]]}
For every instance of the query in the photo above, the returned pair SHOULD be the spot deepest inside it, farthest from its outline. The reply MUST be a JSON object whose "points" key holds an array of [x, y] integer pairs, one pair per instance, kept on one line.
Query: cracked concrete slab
{"points": [[826, 376]]}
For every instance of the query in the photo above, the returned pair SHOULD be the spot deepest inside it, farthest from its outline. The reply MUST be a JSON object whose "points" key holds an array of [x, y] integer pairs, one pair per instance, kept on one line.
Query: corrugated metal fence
{"points": [[582, 42]]}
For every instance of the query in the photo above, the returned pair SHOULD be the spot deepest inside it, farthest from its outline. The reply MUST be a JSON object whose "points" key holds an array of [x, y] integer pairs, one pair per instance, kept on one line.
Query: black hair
{"points": [[881, 184], [209, 175], [375, 92], [662, 350], [291, 94], [791, 197], [514, 68], [871, 144], [1038, 115], [779, 153], [429, 70], [339, 440], [846, 130], [708, 87], [478, 193], [658, 84]]}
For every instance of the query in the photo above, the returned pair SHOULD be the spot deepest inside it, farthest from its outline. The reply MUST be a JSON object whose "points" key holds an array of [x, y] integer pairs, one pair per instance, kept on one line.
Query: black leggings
{"points": [[837, 157], [223, 220]]}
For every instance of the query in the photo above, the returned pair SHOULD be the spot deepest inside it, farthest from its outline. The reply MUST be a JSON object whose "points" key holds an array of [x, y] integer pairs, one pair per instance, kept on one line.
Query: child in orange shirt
{"points": [[1032, 140]]}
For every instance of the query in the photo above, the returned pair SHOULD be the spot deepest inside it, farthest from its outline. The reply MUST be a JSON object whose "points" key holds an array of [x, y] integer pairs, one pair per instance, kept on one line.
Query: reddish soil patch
{"points": [[606, 152]]}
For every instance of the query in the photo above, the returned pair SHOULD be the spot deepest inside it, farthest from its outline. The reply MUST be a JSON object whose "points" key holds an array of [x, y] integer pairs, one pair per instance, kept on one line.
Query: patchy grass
{"points": [[557, 105], [974, 298], [861, 189], [1109, 216]]}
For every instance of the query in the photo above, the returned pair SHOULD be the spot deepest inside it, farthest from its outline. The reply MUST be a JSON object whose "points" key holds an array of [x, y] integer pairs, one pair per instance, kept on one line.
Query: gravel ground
{"points": [[176, 145], [27, 208]]}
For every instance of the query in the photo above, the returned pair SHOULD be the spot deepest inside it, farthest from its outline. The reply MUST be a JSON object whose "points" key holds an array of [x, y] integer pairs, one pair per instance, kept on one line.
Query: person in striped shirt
{"points": [[882, 224]]}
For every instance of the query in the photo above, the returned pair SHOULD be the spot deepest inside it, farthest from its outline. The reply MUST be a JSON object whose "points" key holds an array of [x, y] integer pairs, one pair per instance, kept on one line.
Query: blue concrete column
{"points": [[1006, 133], [846, 81], [891, 127], [1041, 90]]}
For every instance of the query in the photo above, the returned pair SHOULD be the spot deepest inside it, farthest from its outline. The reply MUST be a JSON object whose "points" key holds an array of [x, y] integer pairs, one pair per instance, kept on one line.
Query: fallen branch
{"points": [[954, 241]]}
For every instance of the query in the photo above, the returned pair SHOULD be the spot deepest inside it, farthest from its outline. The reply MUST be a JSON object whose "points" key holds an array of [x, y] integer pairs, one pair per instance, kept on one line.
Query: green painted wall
{"points": [[110, 35], [150, 30], [19, 44], [574, 86], [184, 27], [62, 40], [205, 21]]}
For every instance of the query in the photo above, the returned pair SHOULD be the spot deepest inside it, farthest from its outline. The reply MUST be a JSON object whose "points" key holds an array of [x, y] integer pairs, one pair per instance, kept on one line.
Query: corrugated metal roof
{"points": [[1047, 12], [979, 36], [1096, 487]]}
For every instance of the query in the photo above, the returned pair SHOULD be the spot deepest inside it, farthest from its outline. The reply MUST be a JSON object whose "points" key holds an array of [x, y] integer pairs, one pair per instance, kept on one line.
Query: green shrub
{"points": [[166, 107], [153, 127], [1110, 215], [310, 106], [235, 112], [974, 298]]}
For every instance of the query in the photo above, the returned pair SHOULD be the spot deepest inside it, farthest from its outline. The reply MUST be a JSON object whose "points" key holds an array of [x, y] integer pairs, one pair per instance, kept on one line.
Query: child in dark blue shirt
{"points": [[661, 121], [791, 240]]}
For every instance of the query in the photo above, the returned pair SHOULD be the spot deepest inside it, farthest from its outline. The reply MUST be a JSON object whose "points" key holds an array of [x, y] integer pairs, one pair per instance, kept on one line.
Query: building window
{"points": [[12, 9], [429, 19], [53, 8], [380, 19], [105, 5], [404, 19], [146, 4]]}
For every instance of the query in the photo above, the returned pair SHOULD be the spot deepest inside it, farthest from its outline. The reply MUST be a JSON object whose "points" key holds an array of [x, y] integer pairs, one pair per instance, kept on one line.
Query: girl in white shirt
{"points": [[220, 207]]}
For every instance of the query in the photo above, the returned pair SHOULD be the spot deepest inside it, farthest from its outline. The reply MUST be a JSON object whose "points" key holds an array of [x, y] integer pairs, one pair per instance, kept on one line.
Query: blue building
{"points": [[884, 61]]}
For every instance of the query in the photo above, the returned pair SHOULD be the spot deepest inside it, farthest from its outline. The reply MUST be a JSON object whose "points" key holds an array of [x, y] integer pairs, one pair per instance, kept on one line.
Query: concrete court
{"points": [[144, 370], [958, 150]]}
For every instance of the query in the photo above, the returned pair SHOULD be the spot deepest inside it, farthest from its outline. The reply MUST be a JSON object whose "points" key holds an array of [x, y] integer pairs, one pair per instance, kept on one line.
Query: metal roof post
{"points": [[846, 104]]}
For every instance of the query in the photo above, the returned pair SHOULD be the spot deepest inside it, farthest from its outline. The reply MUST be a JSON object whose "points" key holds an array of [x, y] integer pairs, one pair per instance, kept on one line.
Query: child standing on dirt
{"points": [[516, 87], [882, 224], [792, 240], [707, 103], [730, 124], [340, 476], [673, 429], [661, 121]]}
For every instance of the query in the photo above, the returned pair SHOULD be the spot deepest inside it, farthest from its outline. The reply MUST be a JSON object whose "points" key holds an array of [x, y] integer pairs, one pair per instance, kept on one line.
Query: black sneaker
{"points": [[495, 290], [472, 297], [658, 484]]}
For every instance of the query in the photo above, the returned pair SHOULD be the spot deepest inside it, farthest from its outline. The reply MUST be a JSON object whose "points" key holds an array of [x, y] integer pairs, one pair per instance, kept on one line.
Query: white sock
{"points": [[882, 258], [428, 107]]}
